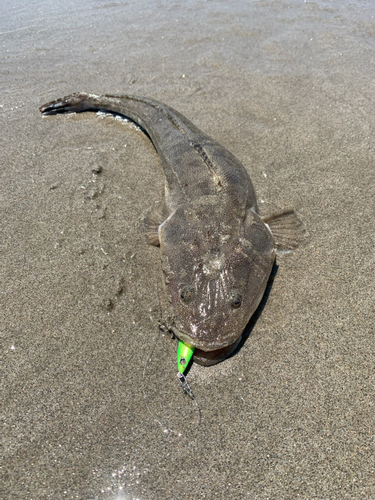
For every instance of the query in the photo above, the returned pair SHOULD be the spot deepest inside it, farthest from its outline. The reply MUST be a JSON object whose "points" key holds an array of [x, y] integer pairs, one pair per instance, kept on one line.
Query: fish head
{"points": [[216, 270]]}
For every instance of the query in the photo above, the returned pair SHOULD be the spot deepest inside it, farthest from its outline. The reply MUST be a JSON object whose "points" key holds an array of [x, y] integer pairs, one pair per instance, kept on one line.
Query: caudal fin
{"points": [[69, 104]]}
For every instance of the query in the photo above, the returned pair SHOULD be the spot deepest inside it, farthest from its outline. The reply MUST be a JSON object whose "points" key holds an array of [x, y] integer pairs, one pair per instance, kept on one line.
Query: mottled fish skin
{"points": [[217, 253]]}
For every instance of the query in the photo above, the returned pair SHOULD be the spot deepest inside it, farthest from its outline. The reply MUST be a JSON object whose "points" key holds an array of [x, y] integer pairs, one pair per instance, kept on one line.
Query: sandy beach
{"points": [[91, 407]]}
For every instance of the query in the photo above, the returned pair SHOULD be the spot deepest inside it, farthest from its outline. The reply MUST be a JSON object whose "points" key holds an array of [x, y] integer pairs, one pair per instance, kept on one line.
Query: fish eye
{"points": [[187, 294], [235, 299]]}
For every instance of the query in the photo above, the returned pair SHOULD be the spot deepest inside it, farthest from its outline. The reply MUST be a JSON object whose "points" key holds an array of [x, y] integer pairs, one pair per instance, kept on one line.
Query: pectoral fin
{"points": [[286, 228], [152, 222]]}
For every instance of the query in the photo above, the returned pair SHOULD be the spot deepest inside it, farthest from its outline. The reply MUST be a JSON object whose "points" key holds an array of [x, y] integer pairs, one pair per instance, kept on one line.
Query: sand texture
{"points": [[91, 407]]}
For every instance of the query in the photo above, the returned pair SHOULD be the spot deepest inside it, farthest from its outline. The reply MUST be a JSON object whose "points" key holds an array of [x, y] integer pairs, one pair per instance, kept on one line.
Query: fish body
{"points": [[217, 253]]}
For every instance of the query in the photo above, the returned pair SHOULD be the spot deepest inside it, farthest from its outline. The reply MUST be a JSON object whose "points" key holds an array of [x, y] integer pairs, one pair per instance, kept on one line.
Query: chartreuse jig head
{"points": [[184, 355]]}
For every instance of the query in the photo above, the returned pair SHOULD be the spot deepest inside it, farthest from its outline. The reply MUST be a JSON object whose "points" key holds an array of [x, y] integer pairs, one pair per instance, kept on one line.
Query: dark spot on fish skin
{"points": [[187, 294]]}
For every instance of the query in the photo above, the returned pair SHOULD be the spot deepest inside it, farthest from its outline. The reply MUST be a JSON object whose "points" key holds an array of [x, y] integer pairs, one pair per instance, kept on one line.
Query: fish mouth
{"points": [[200, 344], [209, 358]]}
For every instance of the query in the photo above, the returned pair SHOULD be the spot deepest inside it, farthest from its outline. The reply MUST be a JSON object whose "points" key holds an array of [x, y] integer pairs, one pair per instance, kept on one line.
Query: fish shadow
{"points": [[254, 318]]}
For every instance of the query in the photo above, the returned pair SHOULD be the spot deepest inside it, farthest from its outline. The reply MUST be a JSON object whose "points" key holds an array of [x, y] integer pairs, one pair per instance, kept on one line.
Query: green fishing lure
{"points": [[184, 355]]}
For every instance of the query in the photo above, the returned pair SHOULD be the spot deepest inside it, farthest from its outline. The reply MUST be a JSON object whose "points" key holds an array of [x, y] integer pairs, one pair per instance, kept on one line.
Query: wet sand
{"points": [[92, 408]]}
